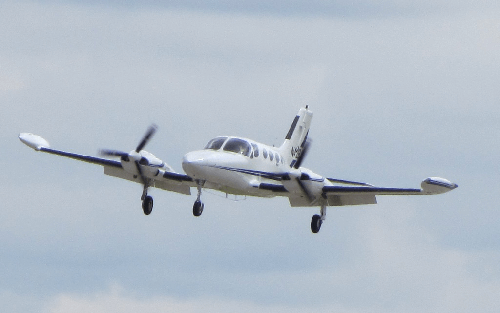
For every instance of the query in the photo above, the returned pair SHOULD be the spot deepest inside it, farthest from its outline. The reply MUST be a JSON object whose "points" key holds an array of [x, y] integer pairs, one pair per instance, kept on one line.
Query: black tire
{"points": [[147, 205], [198, 208], [316, 223]]}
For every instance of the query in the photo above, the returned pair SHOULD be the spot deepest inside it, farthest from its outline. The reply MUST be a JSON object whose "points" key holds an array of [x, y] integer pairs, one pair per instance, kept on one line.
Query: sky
{"points": [[401, 91]]}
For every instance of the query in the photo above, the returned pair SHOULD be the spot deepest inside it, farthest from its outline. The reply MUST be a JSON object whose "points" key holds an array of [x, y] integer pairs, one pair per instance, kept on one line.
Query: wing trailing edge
{"points": [[430, 186], [164, 179]]}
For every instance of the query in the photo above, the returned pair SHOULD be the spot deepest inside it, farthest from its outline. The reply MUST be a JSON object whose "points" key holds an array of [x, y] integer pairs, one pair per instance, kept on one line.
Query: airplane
{"points": [[241, 166]]}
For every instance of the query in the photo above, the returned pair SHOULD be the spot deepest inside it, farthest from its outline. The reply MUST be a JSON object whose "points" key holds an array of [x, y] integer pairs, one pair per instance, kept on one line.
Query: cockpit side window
{"points": [[237, 146], [255, 150], [216, 143]]}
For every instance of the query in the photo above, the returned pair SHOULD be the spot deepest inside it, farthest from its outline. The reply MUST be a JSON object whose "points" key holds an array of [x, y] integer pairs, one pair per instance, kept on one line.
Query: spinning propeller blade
{"points": [[107, 152], [126, 156], [139, 170], [304, 152], [150, 132]]}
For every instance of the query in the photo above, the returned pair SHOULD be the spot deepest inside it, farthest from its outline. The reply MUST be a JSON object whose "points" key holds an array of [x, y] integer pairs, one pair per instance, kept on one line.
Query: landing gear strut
{"points": [[317, 220], [198, 206]]}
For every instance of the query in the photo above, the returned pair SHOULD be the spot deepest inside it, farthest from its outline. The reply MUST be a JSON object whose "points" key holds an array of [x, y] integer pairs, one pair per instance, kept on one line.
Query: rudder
{"points": [[296, 137]]}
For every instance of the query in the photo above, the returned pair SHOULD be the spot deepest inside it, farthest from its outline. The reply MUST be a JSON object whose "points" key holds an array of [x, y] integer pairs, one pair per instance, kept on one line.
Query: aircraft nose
{"points": [[195, 164], [193, 158]]}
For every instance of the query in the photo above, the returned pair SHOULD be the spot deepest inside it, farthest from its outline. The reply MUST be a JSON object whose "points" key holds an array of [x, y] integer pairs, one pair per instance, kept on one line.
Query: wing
{"points": [[84, 158], [365, 193], [339, 192], [161, 181], [162, 178]]}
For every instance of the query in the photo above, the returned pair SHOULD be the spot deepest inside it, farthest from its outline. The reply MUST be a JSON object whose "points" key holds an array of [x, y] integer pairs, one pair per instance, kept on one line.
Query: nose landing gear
{"points": [[198, 206]]}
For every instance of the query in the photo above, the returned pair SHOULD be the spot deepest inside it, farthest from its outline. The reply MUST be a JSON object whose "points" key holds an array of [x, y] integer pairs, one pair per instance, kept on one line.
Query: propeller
{"points": [[150, 132], [134, 155], [126, 156], [304, 152], [106, 152]]}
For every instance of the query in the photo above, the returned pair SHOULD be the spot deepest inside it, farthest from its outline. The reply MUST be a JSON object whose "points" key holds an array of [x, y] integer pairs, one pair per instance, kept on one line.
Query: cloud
{"points": [[395, 99], [315, 8], [117, 300], [392, 265], [10, 83]]}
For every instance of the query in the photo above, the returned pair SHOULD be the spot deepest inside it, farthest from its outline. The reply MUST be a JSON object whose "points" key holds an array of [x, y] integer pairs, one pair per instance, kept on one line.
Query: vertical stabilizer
{"points": [[295, 140]]}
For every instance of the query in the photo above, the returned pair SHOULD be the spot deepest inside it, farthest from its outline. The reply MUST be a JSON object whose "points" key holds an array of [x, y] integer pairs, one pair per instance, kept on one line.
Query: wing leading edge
{"points": [[363, 193], [165, 180]]}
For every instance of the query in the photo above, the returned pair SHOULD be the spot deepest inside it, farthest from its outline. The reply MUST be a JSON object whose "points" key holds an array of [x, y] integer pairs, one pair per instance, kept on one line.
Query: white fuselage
{"points": [[242, 172], [235, 172]]}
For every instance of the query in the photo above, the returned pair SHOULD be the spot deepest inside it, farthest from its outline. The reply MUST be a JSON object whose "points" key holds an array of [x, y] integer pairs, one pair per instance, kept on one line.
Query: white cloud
{"points": [[117, 300], [10, 79], [392, 266], [395, 99]]}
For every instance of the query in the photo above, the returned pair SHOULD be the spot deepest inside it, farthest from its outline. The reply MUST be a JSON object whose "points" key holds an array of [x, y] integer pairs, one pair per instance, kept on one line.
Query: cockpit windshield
{"points": [[216, 143], [238, 146]]}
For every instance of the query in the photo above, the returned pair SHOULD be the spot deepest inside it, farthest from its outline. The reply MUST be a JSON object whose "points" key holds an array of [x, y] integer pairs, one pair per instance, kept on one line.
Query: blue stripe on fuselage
{"points": [[268, 175]]}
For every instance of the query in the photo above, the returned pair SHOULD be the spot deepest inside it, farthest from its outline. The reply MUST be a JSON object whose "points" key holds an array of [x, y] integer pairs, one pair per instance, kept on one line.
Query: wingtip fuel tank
{"points": [[33, 141]]}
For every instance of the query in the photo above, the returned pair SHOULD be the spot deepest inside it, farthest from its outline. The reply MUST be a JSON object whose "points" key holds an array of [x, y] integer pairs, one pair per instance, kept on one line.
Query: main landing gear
{"points": [[198, 206], [147, 205], [317, 220], [147, 201]]}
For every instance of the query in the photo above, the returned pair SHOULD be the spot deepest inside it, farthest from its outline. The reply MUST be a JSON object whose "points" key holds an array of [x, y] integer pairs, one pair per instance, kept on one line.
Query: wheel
{"points": [[198, 208], [147, 205], [316, 223]]}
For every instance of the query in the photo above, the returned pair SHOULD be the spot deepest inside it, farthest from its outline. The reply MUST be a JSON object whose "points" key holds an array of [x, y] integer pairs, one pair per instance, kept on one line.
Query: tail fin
{"points": [[296, 138]]}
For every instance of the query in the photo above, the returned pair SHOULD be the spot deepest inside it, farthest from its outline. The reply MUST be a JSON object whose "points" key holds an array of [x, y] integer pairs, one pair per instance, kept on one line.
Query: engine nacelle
{"points": [[303, 181], [437, 185], [150, 164]]}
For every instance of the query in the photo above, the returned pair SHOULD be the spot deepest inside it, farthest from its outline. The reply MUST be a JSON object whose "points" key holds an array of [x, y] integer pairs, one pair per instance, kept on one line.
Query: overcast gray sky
{"points": [[400, 91]]}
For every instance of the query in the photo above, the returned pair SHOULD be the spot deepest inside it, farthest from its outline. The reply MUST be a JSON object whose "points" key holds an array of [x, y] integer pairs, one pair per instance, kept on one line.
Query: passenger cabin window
{"points": [[237, 146], [271, 156], [264, 153], [277, 159], [215, 143], [255, 150]]}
